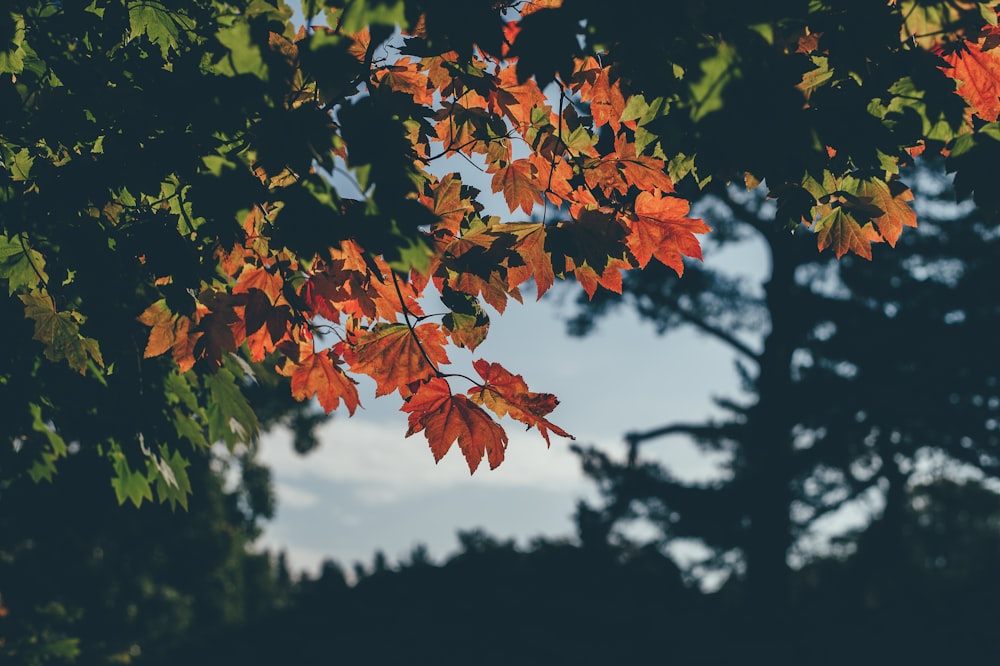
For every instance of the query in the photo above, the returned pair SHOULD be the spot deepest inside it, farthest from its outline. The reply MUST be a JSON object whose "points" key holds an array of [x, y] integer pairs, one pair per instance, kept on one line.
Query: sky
{"points": [[369, 488]]}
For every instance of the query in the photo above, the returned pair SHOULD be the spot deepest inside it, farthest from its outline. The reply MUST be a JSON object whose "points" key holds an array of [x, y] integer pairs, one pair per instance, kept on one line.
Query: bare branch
{"points": [[718, 333]]}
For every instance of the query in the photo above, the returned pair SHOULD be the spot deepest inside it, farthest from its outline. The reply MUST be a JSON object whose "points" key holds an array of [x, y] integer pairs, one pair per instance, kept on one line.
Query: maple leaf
{"points": [[59, 331], [978, 74], [891, 199], [23, 267], [360, 285], [318, 374], [617, 171], [662, 229], [594, 84], [592, 247], [837, 229], [168, 328], [219, 326], [610, 276], [404, 76], [452, 202], [466, 322], [507, 394], [445, 418], [513, 99], [322, 292], [530, 246], [518, 181], [255, 277], [555, 175], [532, 6], [476, 262], [391, 354]]}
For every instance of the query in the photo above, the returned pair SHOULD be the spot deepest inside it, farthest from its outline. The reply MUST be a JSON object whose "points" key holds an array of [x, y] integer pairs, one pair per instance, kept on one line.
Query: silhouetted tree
{"points": [[862, 382]]}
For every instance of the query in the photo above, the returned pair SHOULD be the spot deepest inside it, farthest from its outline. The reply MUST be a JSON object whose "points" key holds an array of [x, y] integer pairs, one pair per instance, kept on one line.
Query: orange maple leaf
{"points": [[366, 285], [318, 374], [978, 74], [404, 76], [518, 181], [391, 354], [255, 277], [662, 229], [641, 171], [554, 176], [530, 246], [451, 202], [837, 229], [445, 418], [891, 198], [171, 332], [167, 327], [532, 6], [610, 278], [515, 100], [507, 394], [607, 102]]}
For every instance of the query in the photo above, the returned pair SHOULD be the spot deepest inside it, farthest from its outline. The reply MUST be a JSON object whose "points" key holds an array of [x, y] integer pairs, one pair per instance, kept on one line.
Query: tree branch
{"points": [[717, 333], [697, 430]]}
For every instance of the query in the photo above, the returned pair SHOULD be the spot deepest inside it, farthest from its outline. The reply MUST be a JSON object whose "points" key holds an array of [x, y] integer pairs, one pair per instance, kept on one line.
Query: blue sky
{"points": [[368, 487]]}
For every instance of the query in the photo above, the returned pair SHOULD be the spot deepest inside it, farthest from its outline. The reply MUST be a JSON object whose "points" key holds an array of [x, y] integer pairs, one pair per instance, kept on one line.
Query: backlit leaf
{"points": [[840, 231], [662, 229], [445, 418], [507, 394], [393, 355], [317, 374], [60, 332]]}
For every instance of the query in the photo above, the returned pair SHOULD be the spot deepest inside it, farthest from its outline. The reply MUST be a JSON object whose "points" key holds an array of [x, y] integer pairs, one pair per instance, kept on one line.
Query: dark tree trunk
{"points": [[768, 469]]}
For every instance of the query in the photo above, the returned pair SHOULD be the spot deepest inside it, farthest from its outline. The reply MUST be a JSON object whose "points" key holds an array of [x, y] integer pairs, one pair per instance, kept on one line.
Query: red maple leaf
{"points": [[507, 394], [445, 418]]}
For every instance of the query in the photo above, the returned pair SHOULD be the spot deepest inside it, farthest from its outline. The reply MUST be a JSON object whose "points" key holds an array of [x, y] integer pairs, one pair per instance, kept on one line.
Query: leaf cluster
{"points": [[170, 233]]}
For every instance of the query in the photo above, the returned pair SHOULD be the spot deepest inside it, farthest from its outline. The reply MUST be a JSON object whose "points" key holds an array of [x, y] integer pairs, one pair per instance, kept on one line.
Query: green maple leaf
{"points": [[169, 470], [60, 332], [230, 417], [129, 485], [20, 265], [160, 24]]}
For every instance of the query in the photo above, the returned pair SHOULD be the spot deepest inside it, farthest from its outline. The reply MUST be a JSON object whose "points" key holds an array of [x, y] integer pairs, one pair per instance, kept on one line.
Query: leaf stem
{"points": [[413, 331], [27, 254], [409, 325]]}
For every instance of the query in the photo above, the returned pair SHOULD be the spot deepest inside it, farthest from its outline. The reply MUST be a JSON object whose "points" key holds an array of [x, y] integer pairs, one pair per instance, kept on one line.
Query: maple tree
{"points": [[171, 232]]}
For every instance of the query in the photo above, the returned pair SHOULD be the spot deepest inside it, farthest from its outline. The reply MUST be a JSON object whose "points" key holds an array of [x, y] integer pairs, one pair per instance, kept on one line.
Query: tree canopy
{"points": [[197, 195]]}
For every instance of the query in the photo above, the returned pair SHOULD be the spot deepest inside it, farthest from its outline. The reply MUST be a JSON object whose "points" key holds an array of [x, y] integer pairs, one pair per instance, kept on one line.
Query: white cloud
{"points": [[384, 467], [294, 497]]}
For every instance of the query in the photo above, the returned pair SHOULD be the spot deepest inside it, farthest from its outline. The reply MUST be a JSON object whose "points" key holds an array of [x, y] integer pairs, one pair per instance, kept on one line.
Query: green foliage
{"points": [[165, 207]]}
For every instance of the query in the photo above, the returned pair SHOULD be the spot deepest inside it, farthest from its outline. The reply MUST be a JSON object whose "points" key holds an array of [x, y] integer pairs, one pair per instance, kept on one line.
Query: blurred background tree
{"points": [[865, 384]]}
